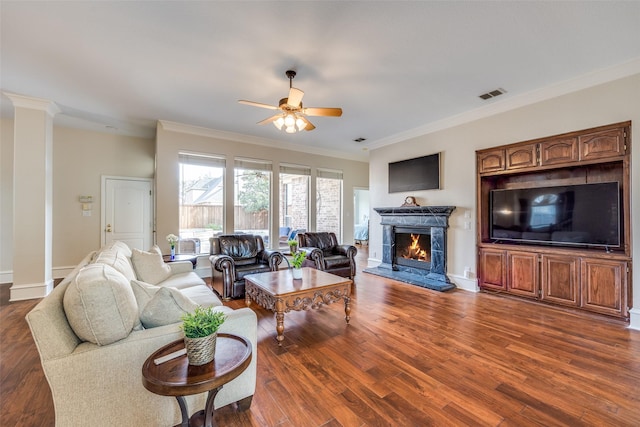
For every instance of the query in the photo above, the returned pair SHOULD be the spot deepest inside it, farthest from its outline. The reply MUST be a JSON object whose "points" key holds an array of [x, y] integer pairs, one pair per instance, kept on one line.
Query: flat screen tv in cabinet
{"points": [[593, 275]]}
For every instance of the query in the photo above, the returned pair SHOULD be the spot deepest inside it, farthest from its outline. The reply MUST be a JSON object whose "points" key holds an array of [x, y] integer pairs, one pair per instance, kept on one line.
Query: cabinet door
{"points": [[491, 161], [560, 278], [522, 156], [559, 151], [492, 269], [603, 144], [604, 286], [522, 273]]}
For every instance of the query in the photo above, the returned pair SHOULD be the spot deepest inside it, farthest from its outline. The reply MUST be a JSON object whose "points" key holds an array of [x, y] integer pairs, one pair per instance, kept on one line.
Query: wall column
{"points": [[32, 197]]}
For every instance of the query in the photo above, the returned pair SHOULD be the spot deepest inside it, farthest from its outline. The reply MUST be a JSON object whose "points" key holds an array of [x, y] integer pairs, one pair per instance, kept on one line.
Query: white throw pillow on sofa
{"points": [[149, 266], [167, 306], [143, 292], [100, 305]]}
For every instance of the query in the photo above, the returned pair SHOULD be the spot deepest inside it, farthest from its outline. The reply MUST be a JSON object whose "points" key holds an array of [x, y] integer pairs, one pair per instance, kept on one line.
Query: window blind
{"points": [[295, 169], [261, 165], [328, 173], [202, 160]]}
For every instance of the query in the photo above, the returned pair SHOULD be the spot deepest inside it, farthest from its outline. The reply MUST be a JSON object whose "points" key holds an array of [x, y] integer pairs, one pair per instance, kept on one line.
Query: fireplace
{"points": [[414, 245]]}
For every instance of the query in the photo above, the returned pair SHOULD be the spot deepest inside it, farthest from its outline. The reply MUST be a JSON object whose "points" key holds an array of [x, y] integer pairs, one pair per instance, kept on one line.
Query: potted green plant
{"points": [[296, 262], [293, 245], [200, 332]]}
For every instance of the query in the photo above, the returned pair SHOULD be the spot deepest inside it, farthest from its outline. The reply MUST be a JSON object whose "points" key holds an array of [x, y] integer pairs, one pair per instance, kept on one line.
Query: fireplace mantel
{"points": [[416, 210], [434, 218], [425, 216]]}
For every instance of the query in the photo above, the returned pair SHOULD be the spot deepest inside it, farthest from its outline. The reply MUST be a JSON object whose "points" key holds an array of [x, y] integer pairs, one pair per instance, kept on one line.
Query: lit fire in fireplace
{"points": [[414, 251]]}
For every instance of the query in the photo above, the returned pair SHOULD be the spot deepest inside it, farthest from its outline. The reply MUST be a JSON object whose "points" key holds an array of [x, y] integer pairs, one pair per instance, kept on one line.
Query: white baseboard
{"points": [[634, 319], [373, 262], [30, 291], [464, 283]]}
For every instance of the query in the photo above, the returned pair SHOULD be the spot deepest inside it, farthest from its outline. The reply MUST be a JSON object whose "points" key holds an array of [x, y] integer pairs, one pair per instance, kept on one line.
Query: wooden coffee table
{"points": [[279, 292], [177, 378]]}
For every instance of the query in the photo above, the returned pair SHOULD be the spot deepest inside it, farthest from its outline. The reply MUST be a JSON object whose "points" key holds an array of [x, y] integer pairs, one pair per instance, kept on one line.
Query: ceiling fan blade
{"points": [[258, 104], [318, 111], [309, 126], [269, 119], [295, 97]]}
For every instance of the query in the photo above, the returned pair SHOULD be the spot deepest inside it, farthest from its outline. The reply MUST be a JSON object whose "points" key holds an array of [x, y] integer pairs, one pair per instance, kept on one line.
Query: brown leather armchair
{"points": [[237, 255], [323, 249]]}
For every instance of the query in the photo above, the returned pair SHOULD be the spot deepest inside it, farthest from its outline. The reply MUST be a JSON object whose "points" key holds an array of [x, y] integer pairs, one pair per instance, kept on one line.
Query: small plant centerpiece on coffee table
{"points": [[172, 239], [200, 333], [296, 263], [293, 245]]}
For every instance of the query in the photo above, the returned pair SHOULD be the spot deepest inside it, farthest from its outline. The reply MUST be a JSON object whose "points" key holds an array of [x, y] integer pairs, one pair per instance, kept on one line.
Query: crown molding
{"points": [[170, 126], [575, 84], [21, 101]]}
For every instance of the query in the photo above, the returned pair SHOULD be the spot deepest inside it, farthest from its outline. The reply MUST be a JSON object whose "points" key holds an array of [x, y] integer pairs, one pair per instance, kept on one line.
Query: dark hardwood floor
{"points": [[410, 357]]}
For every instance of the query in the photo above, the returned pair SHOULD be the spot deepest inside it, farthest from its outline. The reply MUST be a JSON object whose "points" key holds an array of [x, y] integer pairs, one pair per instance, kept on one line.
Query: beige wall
{"points": [[198, 140], [6, 197], [613, 102], [80, 159]]}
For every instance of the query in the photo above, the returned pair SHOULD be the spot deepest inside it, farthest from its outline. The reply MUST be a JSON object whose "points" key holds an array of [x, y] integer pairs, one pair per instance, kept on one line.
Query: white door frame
{"points": [[103, 213]]}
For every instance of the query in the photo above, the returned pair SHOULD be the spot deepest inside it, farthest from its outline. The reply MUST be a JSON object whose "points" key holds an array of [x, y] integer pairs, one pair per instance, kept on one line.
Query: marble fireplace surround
{"points": [[435, 221]]}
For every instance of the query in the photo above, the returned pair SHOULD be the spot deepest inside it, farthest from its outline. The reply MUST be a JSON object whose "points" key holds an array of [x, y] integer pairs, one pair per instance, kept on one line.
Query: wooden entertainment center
{"points": [[592, 278]]}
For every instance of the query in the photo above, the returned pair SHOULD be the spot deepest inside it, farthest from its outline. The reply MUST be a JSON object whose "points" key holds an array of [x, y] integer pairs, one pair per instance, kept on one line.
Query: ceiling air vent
{"points": [[492, 94]]}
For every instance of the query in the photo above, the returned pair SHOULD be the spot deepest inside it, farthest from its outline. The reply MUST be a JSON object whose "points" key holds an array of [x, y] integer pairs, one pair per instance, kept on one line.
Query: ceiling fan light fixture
{"points": [[290, 120], [292, 116], [279, 122]]}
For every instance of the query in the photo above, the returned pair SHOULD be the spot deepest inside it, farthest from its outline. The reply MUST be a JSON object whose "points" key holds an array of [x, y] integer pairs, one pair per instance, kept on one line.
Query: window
{"points": [[329, 201], [294, 201], [201, 200], [252, 197]]}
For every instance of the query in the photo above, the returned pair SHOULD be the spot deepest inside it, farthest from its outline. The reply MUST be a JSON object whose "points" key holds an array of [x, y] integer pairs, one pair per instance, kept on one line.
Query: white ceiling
{"points": [[395, 67]]}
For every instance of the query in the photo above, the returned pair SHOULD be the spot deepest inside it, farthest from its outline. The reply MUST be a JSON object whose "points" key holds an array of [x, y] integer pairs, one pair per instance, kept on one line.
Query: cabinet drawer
{"points": [[492, 161], [604, 144], [559, 151], [523, 156]]}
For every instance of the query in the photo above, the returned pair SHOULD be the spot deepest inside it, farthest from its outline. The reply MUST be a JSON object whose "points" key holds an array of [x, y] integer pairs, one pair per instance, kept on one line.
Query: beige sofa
{"points": [[97, 327]]}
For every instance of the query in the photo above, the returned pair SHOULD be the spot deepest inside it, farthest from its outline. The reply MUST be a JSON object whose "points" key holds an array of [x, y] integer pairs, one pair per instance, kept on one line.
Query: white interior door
{"points": [[127, 211]]}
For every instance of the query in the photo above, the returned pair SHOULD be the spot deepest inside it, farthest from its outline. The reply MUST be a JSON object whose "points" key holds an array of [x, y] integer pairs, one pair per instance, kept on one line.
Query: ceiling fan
{"points": [[292, 117]]}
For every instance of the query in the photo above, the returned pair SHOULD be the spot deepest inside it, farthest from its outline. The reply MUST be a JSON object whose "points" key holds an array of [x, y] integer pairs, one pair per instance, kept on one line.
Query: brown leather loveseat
{"points": [[323, 249], [235, 256]]}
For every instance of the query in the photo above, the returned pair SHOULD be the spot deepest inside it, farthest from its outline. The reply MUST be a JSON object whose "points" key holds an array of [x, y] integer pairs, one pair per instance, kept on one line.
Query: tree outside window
{"points": [[201, 198], [252, 193]]}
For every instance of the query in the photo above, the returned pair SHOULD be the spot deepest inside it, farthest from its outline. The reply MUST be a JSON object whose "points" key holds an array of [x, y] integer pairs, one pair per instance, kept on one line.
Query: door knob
{"points": [[108, 230]]}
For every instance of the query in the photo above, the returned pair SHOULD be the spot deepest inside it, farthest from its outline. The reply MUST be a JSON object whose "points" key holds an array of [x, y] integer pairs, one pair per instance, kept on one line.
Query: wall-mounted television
{"points": [[585, 215], [421, 173]]}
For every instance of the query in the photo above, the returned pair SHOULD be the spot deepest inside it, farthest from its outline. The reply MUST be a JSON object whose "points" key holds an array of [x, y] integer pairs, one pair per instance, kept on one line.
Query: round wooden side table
{"points": [[177, 378], [193, 258]]}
